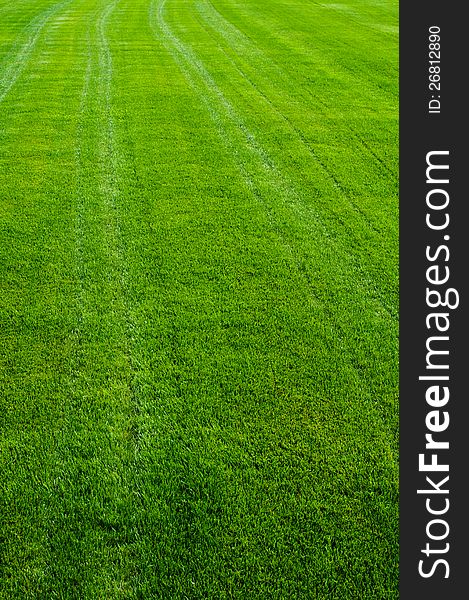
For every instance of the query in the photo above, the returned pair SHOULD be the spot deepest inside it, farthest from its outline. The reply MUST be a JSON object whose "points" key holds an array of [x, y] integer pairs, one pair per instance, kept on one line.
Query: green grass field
{"points": [[199, 299]]}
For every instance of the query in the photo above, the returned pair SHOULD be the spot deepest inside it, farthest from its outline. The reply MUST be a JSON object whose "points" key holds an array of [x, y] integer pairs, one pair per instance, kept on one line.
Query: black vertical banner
{"points": [[434, 436]]}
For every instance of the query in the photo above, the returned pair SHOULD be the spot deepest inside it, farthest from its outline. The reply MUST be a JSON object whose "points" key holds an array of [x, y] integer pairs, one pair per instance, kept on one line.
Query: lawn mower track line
{"points": [[16, 60]]}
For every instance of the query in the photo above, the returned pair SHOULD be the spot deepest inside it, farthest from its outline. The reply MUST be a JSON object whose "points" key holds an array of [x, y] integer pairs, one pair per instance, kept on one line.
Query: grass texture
{"points": [[199, 299]]}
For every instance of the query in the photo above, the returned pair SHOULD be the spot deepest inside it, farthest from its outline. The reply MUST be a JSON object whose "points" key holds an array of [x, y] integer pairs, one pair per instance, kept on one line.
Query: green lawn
{"points": [[199, 299]]}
